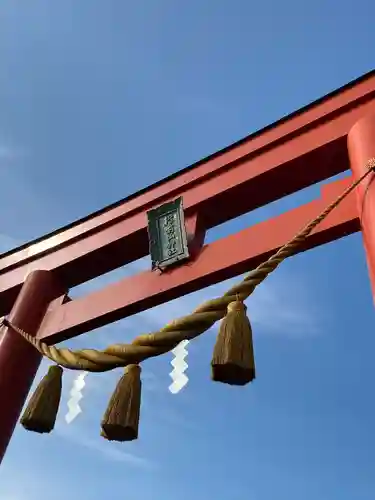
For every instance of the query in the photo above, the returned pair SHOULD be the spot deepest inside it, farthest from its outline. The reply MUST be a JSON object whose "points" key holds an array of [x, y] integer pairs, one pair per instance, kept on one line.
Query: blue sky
{"points": [[99, 99]]}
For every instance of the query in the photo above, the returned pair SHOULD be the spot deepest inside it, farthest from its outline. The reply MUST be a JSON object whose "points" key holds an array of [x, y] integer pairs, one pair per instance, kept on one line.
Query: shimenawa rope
{"points": [[188, 327]]}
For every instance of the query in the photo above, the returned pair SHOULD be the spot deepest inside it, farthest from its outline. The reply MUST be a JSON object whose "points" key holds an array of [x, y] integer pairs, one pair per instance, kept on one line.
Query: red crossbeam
{"points": [[217, 261], [296, 152]]}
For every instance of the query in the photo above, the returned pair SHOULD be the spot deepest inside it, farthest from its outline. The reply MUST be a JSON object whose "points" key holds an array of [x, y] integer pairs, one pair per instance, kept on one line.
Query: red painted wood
{"points": [[296, 152], [196, 233], [300, 150], [217, 261], [361, 145], [19, 361]]}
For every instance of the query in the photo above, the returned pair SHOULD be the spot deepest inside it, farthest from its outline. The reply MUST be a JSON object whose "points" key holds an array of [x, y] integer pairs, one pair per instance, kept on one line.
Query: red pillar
{"points": [[361, 145], [19, 361]]}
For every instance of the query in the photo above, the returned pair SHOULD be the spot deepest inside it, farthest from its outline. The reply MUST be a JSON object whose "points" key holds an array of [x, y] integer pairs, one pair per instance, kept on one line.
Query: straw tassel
{"points": [[121, 419], [233, 357], [41, 411]]}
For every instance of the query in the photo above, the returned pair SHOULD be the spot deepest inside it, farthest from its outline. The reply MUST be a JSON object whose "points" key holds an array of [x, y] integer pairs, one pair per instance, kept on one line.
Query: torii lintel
{"points": [[306, 147], [325, 138]]}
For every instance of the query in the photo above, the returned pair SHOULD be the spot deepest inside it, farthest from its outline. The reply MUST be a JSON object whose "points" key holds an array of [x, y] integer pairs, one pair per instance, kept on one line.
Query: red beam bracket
{"points": [[296, 152], [196, 233], [216, 262]]}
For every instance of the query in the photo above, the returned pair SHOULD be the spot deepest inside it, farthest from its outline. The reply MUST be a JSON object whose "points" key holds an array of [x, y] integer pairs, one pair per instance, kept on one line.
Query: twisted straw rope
{"points": [[187, 327]]}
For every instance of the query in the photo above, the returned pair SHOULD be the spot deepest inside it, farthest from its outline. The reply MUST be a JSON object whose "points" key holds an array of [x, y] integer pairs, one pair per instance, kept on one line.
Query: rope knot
{"points": [[237, 306]]}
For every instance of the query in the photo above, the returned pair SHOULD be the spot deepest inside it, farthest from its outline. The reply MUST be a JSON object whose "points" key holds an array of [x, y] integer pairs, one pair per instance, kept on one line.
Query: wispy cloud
{"points": [[285, 306], [9, 151], [27, 489], [273, 308], [104, 449]]}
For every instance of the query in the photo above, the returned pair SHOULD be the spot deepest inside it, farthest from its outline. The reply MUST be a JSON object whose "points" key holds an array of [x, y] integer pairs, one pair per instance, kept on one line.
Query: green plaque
{"points": [[167, 234]]}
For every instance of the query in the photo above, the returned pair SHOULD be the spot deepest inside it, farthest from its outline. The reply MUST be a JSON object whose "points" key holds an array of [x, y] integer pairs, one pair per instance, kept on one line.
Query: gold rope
{"points": [[187, 327]]}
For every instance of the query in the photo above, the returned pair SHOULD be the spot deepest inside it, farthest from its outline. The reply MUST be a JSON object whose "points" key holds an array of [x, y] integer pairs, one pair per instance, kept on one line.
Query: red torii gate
{"points": [[323, 139]]}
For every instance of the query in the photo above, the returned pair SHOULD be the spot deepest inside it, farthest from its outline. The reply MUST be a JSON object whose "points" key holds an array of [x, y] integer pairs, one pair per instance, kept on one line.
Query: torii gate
{"points": [[325, 138]]}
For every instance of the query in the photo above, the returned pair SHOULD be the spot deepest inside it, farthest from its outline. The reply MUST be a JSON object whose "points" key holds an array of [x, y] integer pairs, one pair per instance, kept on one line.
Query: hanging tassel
{"points": [[233, 358], [41, 411], [121, 419]]}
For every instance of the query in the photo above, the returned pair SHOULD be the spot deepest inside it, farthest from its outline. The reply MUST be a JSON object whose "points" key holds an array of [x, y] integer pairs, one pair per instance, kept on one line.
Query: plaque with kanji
{"points": [[167, 234]]}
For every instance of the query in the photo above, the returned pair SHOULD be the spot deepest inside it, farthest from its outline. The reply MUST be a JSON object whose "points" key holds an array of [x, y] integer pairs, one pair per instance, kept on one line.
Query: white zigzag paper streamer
{"points": [[75, 397], [179, 366]]}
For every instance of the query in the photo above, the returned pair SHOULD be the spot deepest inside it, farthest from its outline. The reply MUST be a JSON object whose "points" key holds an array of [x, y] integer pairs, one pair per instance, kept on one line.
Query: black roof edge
{"points": [[196, 164]]}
